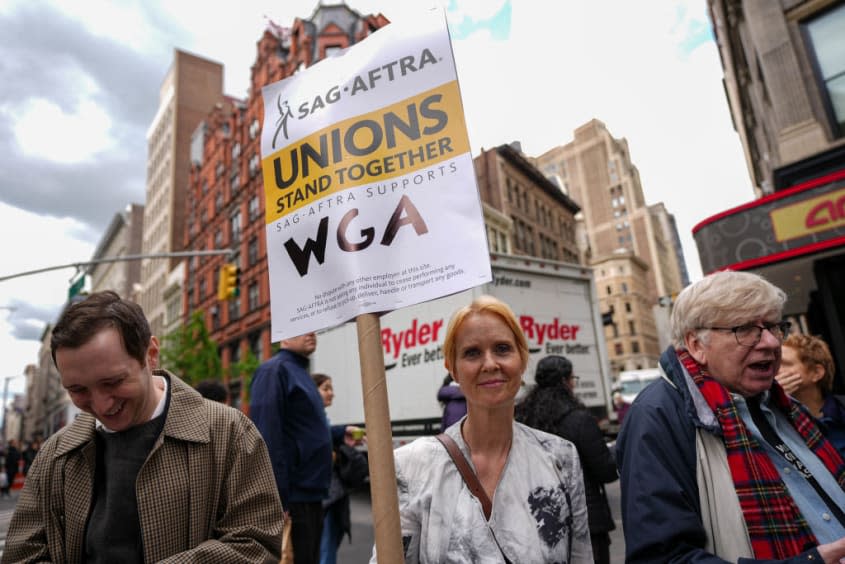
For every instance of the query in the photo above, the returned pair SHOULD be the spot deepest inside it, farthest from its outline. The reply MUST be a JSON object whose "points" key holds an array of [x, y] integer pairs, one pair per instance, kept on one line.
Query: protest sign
{"points": [[371, 197]]}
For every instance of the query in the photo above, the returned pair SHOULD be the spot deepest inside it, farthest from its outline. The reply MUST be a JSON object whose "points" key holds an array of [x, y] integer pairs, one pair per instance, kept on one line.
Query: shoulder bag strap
{"points": [[471, 480], [467, 474]]}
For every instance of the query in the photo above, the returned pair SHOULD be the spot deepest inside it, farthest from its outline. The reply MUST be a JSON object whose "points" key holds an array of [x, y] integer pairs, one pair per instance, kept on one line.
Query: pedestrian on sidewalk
{"points": [[717, 463], [288, 411], [453, 401], [806, 373], [521, 498], [551, 406], [149, 471], [346, 462], [4, 484], [12, 462]]}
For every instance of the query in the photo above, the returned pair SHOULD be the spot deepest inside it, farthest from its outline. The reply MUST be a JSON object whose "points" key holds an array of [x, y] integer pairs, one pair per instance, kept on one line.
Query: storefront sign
{"points": [[797, 221]]}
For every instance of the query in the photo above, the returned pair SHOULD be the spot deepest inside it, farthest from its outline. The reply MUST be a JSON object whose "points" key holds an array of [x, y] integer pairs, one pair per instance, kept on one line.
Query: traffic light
{"points": [[228, 286]]}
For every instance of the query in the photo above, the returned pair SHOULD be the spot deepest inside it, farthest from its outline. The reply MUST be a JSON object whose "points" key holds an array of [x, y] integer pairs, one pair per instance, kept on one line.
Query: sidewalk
{"points": [[8, 503]]}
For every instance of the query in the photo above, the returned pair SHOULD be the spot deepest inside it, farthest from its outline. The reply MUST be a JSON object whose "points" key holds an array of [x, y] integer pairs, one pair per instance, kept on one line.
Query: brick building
{"points": [[525, 213], [225, 199]]}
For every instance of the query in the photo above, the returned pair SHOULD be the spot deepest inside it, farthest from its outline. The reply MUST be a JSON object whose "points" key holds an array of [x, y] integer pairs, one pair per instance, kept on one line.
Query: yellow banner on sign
{"points": [[393, 141], [809, 216]]}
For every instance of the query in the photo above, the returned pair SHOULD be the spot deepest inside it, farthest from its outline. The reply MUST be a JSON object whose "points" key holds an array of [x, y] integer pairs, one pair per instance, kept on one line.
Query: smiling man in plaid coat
{"points": [[150, 471]]}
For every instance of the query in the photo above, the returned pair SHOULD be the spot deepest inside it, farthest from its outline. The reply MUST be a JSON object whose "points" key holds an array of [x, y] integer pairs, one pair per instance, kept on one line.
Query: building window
{"points": [[635, 346], [218, 201], [628, 307], [252, 251], [235, 227], [617, 348], [254, 165], [174, 309], [215, 318], [254, 128], [624, 288], [202, 289], [632, 329], [254, 209], [492, 240], [503, 243], [253, 296], [234, 309], [218, 239], [236, 181], [254, 340], [236, 150], [825, 34], [609, 290], [219, 170]]}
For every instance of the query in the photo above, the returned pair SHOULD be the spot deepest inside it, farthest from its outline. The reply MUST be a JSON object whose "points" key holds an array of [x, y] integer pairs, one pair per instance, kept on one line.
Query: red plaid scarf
{"points": [[775, 525]]}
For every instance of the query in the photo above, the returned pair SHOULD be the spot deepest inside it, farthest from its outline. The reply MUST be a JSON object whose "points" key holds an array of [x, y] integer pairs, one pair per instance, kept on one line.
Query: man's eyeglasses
{"points": [[749, 335]]}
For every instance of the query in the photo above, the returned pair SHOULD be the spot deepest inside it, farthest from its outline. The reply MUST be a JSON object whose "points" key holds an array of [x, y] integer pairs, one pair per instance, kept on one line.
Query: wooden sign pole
{"points": [[388, 533]]}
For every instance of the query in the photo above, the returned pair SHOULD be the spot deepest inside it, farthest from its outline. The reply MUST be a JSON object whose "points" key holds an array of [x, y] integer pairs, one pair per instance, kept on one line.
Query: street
{"points": [[7, 506], [359, 550]]}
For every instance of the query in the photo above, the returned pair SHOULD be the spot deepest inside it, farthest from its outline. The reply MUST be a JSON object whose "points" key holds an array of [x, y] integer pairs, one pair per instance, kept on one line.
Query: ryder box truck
{"points": [[556, 305]]}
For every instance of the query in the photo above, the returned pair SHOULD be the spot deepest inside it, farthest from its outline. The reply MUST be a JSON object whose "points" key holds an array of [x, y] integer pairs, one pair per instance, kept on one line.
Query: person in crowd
{"points": [[29, 454], [149, 471], [806, 373], [551, 406], [716, 462], [336, 520], [288, 411], [12, 461], [538, 511], [453, 401], [620, 406], [5, 485], [213, 390]]}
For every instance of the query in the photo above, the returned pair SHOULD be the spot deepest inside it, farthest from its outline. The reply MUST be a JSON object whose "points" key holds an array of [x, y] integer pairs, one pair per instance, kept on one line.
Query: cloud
{"points": [[27, 329], [61, 76], [43, 130]]}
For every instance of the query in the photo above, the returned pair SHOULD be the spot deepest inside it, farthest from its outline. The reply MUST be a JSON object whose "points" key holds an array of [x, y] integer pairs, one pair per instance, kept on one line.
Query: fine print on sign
{"points": [[371, 197]]}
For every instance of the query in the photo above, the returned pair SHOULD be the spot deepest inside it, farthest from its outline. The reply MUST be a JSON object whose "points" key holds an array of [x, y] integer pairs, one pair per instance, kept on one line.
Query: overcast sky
{"points": [[81, 82]]}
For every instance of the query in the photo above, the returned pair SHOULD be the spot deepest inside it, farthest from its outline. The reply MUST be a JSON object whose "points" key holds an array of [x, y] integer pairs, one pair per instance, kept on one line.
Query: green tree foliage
{"points": [[244, 369], [191, 353]]}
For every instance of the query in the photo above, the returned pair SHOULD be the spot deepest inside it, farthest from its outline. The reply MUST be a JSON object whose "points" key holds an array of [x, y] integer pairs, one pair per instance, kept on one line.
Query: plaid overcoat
{"points": [[206, 493]]}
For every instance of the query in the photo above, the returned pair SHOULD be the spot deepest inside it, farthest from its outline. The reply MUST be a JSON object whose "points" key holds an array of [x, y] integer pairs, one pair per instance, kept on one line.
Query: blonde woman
{"points": [[537, 510]]}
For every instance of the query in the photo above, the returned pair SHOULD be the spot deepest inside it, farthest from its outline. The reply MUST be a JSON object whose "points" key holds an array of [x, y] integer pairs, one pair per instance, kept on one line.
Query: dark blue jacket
{"points": [[656, 455], [288, 411], [832, 422]]}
